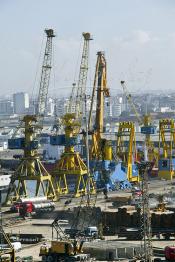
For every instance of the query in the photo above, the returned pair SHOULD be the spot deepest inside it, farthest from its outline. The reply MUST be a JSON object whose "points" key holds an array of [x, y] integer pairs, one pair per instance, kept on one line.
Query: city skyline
{"points": [[137, 36]]}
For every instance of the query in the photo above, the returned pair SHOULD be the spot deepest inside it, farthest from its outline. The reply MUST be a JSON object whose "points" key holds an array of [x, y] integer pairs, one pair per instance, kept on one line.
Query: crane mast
{"points": [[70, 105], [82, 80], [45, 74], [100, 85], [102, 91], [129, 98]]}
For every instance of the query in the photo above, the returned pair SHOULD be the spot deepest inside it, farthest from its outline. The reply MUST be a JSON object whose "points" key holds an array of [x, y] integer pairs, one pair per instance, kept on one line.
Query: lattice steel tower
{"points": [[45, 75], [145, 212], [82, 80]]}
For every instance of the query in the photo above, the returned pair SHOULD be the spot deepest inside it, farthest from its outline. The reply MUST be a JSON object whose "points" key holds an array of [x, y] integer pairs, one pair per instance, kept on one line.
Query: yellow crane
{"points": [[31, 174], [166, 167], [100, 148], [126, 150], [146, 126], [71, 164]]}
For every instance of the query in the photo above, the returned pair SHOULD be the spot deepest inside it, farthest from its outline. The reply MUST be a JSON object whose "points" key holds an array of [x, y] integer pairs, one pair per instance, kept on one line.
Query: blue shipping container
{"points": [[148, 130], [58, 140], [16, 143]]}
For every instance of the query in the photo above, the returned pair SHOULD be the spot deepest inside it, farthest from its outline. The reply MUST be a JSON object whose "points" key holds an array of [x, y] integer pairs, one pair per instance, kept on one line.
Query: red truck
{"points": [[33, 206], [170, 253], [29, 208]]}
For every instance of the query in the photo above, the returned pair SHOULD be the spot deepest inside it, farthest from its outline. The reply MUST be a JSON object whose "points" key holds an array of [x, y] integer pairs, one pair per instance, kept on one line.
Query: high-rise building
{"points": [[117, 106], [21, 103], [107, 107], [125, 105], [6, 107], [60, 107]]}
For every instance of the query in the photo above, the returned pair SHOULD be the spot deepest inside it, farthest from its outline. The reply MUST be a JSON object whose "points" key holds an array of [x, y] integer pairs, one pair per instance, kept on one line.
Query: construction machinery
{"points": [[70, 165], [62, 248], [101, 148], [9, 251], [31, 174], [146, 126], [126, 150], [166, 164]]}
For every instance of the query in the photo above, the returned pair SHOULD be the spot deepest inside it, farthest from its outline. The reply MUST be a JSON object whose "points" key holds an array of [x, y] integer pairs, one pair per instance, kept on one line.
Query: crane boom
{"points": [[82, 80], [100, 80], [45, 75], [129, 98], [102, 91]]}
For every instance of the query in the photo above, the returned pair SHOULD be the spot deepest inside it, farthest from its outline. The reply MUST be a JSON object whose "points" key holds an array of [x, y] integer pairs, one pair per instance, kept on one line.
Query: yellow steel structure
{"points": [[7, 250], [167, 143], [31, 169], [152, 152], [145, 122], [71, 163], [126, 148], [100, 148]]}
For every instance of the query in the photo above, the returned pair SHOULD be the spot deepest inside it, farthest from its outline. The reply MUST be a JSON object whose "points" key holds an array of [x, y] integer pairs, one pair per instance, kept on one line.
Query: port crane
{"points": [[100, 149], [31, 170], [100, 85], [71, 164], [126, 150], [146, 126], [166, 163]]}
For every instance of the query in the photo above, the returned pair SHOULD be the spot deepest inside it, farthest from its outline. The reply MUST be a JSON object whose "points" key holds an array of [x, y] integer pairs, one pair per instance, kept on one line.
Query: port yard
{"points": [[87, 131], [97, 248]]}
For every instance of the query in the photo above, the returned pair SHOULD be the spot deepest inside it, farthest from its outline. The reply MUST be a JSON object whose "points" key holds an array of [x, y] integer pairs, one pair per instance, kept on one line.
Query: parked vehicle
{"points": [[32, 206], [29, 208], [170, 253]]}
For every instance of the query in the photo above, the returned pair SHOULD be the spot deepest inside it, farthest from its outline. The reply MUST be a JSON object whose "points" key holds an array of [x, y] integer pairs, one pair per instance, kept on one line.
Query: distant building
{"points": [[107, 107], [125, 105], [6, 107], [21, 103], [59, 107], [50, 107], [165, 109], [117, 106]]}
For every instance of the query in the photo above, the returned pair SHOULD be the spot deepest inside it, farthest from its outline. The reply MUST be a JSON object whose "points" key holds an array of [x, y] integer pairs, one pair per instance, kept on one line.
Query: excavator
{"points": [[62, 248]]}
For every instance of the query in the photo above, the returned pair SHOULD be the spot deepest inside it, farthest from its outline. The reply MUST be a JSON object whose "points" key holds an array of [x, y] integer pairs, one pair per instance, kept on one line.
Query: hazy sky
{"points": [[138, 37]]}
